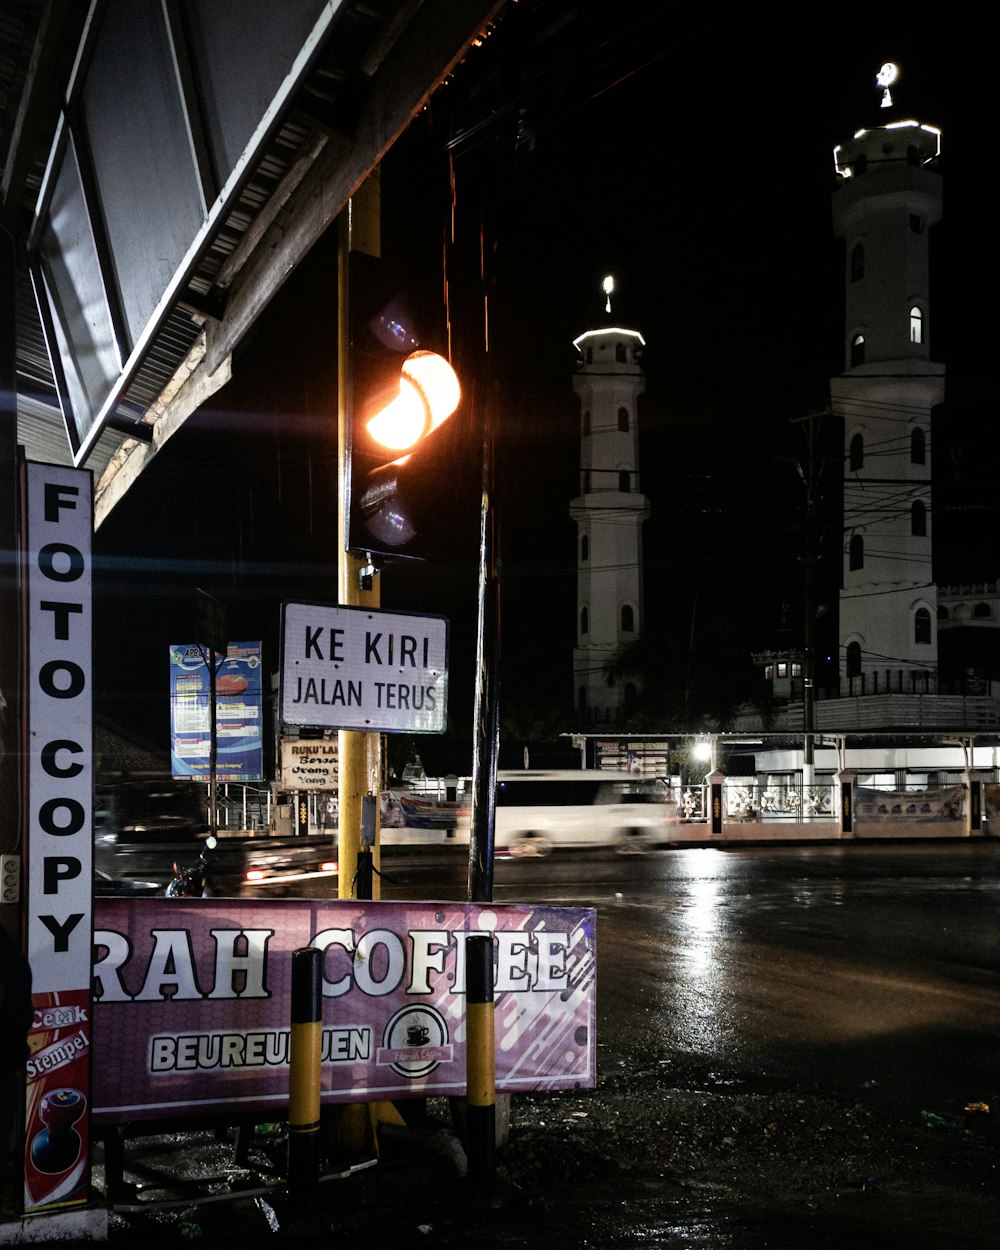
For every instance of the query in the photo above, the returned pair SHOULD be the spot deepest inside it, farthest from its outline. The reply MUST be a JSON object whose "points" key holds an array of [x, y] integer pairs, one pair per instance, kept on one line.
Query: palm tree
{"points": [[529, 724], [683, 687]]}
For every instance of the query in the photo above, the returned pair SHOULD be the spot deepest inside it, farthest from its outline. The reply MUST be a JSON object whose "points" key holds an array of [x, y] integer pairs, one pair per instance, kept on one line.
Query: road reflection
{"points": [[865, 967]]}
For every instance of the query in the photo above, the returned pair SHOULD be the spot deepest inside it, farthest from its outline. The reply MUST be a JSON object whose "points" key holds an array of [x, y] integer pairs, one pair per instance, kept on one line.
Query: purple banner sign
{"points": [[192, 1001]]}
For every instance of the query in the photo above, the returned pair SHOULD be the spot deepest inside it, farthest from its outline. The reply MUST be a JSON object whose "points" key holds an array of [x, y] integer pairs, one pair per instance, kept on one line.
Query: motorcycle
{"points": [[191, 880]]}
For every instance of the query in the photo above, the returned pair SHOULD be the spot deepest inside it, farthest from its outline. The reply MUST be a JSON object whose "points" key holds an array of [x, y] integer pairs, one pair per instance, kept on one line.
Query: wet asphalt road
{"points": [[862, 973], [874, 966]]}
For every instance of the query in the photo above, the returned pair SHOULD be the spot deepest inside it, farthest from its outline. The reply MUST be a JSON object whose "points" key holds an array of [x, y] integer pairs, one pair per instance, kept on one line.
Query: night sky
{"points": [[689, 153]]}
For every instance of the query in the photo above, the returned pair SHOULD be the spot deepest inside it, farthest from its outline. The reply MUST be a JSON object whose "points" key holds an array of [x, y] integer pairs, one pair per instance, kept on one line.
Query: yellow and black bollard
{"points": [[304, 1078], [480, 1062]]}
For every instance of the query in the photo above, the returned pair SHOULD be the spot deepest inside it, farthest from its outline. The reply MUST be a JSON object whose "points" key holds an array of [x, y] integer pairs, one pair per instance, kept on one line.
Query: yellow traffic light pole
{"points": [[427, 393], [359, 754]]}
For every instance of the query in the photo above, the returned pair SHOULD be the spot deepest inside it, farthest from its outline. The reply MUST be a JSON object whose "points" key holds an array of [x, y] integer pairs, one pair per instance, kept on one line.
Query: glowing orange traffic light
{"points": [[399, 398]]}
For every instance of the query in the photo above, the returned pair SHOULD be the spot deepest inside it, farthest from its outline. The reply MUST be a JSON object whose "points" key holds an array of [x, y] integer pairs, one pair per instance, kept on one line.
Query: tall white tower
{"points": [[609, 512], [887, 199]]}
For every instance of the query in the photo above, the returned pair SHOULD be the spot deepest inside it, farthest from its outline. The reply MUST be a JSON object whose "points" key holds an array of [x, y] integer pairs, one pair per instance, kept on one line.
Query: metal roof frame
{"points": [[363, 73]]}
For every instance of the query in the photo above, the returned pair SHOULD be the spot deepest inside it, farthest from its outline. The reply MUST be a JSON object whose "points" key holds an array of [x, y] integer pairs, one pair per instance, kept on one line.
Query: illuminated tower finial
{"points": [[886, 76], [607, 286]]}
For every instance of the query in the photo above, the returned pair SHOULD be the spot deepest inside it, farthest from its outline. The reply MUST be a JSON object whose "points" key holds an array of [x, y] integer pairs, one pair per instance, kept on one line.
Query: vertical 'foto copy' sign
{"points": [[57, 556]]}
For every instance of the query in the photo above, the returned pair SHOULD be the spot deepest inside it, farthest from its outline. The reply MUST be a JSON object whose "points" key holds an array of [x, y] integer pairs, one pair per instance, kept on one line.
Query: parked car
{"points": [[132, 812], [106, 886]]}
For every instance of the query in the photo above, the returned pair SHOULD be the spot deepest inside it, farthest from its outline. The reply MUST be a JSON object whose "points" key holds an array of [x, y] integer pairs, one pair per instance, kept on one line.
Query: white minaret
{"points": [[887, 199], [609, 512]]}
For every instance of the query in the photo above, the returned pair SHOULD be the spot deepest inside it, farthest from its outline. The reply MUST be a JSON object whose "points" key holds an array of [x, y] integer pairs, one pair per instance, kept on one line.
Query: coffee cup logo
{"points": [[416, 1041]]}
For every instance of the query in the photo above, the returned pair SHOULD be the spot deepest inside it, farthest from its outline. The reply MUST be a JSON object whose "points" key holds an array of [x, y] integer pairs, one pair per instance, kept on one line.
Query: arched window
{"points": [[857, 350], [584, 621], [982, 612], [623, 420], [630, 693], [856, 553], [590, 355], [918, 447], [853, 657], [922, 625], [584, 547], [916, 325], [586, 421], [620, 356], [857, 262], [857, 459], [623, 481], [628, 618], [918, 519], [942, 612]]}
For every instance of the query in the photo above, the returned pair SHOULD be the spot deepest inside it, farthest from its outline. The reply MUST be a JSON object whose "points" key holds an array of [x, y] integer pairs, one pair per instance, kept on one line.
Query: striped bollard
{"points": [[480, 1062], [304, 1078]]}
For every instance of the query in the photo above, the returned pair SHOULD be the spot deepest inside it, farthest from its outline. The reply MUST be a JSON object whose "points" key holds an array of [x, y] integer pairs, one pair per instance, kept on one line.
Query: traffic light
{"points": [[399, 395]]}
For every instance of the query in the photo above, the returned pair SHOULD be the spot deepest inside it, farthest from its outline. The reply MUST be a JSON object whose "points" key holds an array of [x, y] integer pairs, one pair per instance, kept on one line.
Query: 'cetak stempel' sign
{"points": [[192, 1011], [355, 668]]}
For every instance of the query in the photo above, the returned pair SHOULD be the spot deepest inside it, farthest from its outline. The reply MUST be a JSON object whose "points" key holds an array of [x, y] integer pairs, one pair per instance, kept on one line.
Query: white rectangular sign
{"points": [[309, 764], [358, 668], [60, 726]]}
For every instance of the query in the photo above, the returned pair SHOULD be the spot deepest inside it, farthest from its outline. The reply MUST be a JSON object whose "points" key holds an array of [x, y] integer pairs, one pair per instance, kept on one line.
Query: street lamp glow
{"points": [[429, 392], [887, 75]]}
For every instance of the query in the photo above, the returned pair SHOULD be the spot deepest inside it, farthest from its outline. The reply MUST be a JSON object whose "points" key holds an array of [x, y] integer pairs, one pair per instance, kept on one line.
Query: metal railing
{"points": [[780, 802]]}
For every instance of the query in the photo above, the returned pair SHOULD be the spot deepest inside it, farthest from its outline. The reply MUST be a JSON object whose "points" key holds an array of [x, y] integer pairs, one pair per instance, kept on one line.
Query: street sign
{"points": [[355, 668]]}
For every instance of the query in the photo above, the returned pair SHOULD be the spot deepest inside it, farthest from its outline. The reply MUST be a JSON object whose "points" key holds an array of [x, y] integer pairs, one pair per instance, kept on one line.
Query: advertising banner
{"points": [[193, 1001], [58, 574], [889, 806], [239, 712]]}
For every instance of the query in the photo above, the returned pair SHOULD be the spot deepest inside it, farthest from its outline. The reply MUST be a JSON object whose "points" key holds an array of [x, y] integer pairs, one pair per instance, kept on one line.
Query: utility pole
{"points": [[212, 643], [810, 477], [486, 740]]}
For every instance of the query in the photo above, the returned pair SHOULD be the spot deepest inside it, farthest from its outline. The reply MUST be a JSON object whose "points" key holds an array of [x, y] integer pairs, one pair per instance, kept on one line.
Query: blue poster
{"points": [[238, 702]]}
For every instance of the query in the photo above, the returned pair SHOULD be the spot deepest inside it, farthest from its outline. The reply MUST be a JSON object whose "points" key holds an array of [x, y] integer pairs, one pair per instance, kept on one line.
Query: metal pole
{"points": [[486, 743], [809, 479], [208, 655]]}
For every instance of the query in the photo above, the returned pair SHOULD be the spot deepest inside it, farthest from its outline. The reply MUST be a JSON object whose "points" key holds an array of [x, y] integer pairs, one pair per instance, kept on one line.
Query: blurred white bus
{"points": [[538, 811]]}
